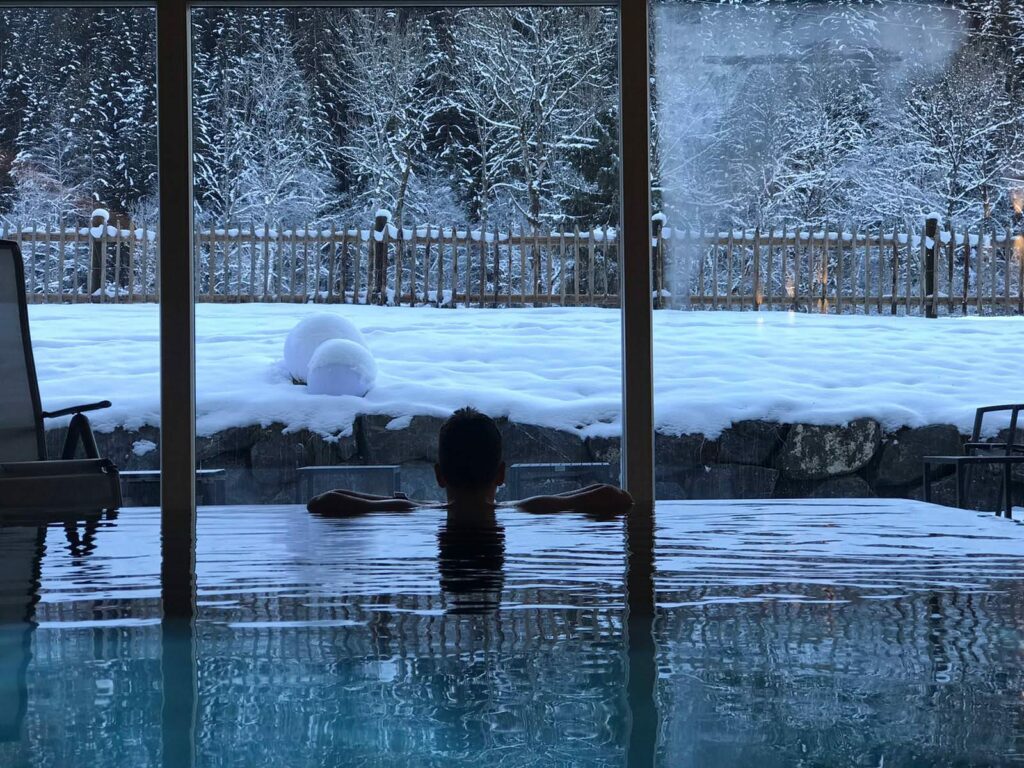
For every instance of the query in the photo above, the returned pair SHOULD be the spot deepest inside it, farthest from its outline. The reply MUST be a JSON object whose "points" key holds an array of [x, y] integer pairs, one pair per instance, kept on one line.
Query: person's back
{"points": [[470, 468]]}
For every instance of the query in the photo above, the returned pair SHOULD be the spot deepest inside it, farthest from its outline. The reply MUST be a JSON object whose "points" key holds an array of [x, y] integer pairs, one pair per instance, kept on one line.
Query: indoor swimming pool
{"points": [[860, 633]]}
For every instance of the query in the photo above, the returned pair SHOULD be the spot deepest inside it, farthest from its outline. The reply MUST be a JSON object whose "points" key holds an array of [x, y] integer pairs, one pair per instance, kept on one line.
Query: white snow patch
{"points": [[142, 447], [402, 422], [555, 367], [340, 367], [304, 339]]}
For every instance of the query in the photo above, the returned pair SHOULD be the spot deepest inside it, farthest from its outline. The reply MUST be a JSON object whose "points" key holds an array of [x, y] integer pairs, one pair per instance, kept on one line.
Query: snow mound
{"points": [[341, 367], [558, 367], [309, 334], [143, 447]]}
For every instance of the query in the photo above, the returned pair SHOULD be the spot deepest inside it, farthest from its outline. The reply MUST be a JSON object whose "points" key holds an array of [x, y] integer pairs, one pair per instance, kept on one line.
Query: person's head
{"points": [[469, 456]]}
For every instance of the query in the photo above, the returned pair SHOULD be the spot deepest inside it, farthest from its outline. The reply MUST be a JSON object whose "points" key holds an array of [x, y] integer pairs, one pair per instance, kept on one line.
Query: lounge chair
{"points": [[28, 478], [1001, 454]]}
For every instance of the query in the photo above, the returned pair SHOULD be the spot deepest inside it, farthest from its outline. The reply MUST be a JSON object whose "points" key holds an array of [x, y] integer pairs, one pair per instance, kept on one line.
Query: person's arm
{"points": [[342, 503], [596, 500]]}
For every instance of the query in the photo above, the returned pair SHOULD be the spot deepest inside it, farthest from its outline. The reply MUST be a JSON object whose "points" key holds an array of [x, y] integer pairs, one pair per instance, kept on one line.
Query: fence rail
{"points": [[844, 272], [840, 272]]}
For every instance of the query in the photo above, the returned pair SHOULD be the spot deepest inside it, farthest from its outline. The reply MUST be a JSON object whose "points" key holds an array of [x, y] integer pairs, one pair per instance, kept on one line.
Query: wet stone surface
{"points": [[751, 459]]}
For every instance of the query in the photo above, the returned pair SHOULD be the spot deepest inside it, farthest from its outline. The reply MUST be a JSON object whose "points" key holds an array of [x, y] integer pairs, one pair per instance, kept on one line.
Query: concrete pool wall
{"points": [[749, 460]]}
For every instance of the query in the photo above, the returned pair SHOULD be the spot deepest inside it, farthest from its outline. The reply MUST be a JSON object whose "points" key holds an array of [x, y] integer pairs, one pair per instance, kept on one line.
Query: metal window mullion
{"points": [[637, 453], [177, 312], [178, 658]]}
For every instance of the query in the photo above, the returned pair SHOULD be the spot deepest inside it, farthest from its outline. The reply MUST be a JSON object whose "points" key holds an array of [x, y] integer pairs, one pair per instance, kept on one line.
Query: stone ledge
{"points": [[751, 459], [814, 452]]}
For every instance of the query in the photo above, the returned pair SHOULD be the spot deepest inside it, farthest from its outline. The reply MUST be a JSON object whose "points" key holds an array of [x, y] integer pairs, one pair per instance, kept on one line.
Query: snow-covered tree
{"points": [[947, 149], [531, 84], [117, 117], [386, 67], [50, 173], [260, 143]]}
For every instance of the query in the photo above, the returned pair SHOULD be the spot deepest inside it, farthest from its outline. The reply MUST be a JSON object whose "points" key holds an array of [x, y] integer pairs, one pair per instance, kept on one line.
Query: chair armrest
{"points": [[971, 446], [55, 467], [76, 409], [979, 416], [993, 408]]}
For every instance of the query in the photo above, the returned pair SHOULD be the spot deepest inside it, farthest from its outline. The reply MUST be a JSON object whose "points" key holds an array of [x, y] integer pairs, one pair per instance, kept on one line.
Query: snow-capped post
{"points": [[757, 266], [1017, 203], [98, 237], [380, 257], [658, 258], [931, 250]]}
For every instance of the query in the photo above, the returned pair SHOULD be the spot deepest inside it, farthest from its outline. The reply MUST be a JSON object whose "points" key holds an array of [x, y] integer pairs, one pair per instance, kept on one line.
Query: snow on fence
{"points": [[839, 272], [928, 273]]}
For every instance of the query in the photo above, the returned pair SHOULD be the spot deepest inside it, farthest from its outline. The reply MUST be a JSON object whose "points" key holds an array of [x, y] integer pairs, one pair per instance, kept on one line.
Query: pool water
{"points": [[865, 633]]}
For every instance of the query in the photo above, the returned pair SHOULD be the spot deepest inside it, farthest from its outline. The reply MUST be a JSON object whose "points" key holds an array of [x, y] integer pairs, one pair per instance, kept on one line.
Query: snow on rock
{"points": [[555, 367], [304, 339], [143, 447], [341, 367]]}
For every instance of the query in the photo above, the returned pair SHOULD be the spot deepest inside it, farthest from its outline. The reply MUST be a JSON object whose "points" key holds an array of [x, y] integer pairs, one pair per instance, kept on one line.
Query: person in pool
{"points": [[470, 468]]}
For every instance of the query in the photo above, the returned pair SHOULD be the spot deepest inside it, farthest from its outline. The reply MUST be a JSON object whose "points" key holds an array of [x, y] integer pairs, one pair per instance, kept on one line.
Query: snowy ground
{"points": [[553, 367]]}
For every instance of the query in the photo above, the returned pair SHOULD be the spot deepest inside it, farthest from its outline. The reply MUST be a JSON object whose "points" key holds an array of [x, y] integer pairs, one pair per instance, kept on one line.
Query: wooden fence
{"points": [[425, 266], [840, 272], [843, 272]]}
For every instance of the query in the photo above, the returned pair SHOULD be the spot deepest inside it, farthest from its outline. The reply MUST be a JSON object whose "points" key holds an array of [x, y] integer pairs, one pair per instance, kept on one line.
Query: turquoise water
{"points": [[854, 634]]}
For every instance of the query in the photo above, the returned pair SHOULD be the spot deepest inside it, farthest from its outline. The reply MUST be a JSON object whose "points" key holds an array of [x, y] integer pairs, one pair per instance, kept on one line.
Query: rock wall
{"points": [[750, 460]]}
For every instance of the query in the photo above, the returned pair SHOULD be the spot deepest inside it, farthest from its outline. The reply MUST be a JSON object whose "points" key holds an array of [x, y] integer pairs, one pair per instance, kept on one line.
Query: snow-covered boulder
{"points": [[341, 367], [309, 334]]}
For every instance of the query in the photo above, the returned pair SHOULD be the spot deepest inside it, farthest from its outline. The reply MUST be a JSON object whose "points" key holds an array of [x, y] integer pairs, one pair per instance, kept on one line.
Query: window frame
{"points": [[177, 339], [179, 660], [177, 305]]}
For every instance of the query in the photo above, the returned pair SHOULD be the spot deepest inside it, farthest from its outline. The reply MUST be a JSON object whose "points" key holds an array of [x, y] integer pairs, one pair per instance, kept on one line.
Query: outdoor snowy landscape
{"points": [[844, 160], [555, 367]]}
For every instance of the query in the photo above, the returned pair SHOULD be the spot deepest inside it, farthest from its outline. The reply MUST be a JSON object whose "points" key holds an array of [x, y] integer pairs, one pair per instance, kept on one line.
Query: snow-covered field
{"points": [[553, 367]]}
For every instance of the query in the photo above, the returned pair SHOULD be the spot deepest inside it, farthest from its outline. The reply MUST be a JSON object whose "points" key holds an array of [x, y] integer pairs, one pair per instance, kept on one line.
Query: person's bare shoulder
{"points": [[345, 504], [595, 501]]}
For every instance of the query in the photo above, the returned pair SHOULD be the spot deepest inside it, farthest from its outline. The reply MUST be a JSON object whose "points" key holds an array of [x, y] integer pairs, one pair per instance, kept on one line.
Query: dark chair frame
{"points": [[80, 429], [1005, 454], [69, 483]]}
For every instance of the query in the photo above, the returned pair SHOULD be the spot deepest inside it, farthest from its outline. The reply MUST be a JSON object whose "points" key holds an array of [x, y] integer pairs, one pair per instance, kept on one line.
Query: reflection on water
{"points": [[842, 636], [471, 562], [20, 579], [784, 635]]}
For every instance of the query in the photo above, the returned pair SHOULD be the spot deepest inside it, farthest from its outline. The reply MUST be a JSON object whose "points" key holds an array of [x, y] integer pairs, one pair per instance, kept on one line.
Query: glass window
{"points": [[387, 232], [828, 177], [837, 230], [78, 193]]}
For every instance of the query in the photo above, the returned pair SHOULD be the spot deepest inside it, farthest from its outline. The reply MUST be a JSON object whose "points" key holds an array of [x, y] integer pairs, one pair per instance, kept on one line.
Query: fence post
{"points": [[931, 233], [757, 269], [657, 256], [379, 250], [1017, 226], [97, 278]]}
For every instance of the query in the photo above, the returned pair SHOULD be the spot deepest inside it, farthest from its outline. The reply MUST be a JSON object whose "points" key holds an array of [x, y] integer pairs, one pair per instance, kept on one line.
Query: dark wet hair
{"points": [[469, 449]]}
